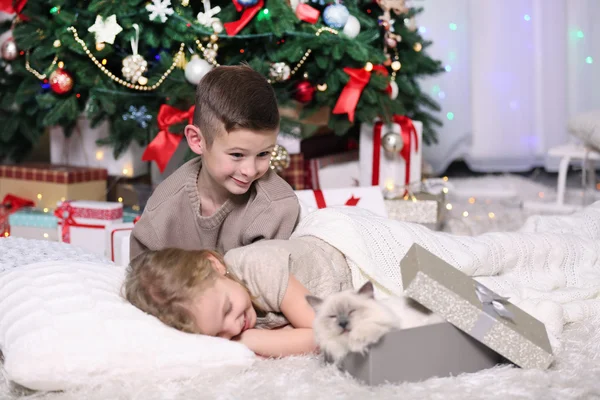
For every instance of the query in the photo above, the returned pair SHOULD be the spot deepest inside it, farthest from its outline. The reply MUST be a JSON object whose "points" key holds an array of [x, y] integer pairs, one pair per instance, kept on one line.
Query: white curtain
{"points": [[517, 70]]}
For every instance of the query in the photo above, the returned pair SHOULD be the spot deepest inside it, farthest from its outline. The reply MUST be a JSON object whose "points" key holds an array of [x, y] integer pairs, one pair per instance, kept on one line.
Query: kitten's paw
{"points": [[334, 351]]}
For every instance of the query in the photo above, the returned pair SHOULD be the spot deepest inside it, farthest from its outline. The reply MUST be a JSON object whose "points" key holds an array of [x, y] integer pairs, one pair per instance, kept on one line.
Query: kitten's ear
{"points": [[314, 301], [367, 290]]}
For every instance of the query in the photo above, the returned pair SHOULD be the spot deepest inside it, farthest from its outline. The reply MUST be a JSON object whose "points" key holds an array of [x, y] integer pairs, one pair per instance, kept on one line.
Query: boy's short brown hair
{"points": [[234, 97]]}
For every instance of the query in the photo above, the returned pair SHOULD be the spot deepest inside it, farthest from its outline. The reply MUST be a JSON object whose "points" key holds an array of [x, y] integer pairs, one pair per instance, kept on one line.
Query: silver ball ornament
{"points": [[335, 16], [392, 142], [9, 50], [195, 69]]}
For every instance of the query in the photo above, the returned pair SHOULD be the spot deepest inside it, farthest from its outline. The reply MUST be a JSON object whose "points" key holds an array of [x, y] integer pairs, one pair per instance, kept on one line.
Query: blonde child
{"points": [[228, 197], [256, 291]]}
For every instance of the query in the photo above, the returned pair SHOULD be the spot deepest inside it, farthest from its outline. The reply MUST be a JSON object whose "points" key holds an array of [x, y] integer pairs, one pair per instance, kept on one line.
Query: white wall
{"points": [[518, 72]]}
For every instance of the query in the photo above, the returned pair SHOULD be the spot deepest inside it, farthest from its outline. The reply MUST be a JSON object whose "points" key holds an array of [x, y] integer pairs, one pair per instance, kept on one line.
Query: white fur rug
{"points": [[574, 375]]}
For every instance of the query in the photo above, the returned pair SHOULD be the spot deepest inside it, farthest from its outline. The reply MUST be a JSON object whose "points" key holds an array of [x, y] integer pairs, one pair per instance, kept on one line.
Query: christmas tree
{"points": [[122, 60]]}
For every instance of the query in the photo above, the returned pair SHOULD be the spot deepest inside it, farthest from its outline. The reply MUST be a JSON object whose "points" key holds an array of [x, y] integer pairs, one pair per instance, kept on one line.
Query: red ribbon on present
{"points": [[348, 100], [66, 214], [320, 199], [233, 28], [306, 13], [11, 204], [408, 131], [164, 145]]}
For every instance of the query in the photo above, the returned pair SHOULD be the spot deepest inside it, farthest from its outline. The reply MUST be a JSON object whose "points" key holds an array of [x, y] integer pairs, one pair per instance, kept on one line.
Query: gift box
{"points": [[335, 171], [82, 223], [9, 205], [423, 208], [416, 354], [114, 235], [364, 197], [133, 194], [124, 249], [291, 143], [132, 214], [48, 184], [81, 150], [390, 155], [474, 309], [295, 173], [33, 223]]}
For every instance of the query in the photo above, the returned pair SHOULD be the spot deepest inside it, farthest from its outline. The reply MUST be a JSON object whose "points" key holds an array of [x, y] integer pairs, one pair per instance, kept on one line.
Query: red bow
{"points": [[164, 145], [320, 199], [348, 100], [14, 7], [408, 131], [233, 28], [306, 13], [11, 204], [64, 213]]}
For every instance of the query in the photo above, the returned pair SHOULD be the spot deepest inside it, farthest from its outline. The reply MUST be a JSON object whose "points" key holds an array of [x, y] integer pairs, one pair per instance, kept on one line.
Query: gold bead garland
{"points": [[122, 81], [28, 67], [294, 70]]}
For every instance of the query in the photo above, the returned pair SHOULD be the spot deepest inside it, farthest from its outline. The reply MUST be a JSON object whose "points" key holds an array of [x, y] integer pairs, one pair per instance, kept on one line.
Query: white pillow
{"points": [[64, 323], [586, 127]]}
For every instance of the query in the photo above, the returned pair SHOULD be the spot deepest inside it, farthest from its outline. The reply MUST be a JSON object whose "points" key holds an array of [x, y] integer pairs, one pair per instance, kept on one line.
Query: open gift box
{"points": [[482, 329]]}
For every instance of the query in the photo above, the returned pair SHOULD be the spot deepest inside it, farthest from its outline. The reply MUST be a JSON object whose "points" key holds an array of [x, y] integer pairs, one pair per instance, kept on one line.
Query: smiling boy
{"points": [[228, 197]]}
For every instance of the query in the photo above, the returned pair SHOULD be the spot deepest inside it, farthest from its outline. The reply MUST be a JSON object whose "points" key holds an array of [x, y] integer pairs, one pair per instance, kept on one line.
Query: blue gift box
{"points": [[33, 217], [34, 223]]}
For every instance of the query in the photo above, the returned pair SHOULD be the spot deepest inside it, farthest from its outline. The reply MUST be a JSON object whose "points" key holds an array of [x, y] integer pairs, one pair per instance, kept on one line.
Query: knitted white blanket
{"points": [[550, 267]]}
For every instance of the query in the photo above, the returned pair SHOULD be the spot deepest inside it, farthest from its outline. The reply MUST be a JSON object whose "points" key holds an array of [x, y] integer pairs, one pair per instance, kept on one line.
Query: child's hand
{"points": [[279, 342]]}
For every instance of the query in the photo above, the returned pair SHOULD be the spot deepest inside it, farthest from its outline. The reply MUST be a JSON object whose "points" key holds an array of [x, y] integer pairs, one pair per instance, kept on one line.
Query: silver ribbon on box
{"points": [[494, 306]]}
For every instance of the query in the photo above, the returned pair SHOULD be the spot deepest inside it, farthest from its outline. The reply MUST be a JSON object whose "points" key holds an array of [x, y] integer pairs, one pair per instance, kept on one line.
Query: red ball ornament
{"points": [[61, 81], [305, 92]]}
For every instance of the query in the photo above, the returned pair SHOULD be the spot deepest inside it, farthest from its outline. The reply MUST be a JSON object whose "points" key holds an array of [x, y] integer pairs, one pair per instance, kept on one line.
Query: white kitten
{"points": [[350, 321]]}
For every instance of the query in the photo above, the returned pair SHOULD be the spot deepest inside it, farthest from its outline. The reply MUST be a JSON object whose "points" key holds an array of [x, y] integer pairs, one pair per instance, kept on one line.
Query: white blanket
{"points": [[550, 267]]}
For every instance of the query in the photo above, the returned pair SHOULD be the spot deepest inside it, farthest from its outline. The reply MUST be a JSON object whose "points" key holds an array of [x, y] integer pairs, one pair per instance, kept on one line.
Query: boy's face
{"points": [[238, 158]]}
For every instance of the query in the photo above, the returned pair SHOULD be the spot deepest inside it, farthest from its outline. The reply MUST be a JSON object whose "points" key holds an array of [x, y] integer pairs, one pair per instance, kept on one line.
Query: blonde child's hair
{"points": [[163, 283]]}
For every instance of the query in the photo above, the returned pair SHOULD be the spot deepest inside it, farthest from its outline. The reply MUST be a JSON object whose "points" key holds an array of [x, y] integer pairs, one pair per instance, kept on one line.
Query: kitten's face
{"points": [[340, 313]]}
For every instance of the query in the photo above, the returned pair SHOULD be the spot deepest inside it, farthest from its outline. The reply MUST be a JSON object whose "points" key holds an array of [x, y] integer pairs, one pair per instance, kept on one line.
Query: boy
{"points": [[228, 197]]}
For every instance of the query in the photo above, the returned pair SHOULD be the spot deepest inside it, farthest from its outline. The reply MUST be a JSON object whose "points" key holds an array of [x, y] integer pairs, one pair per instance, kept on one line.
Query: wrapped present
{"points": [[475, 309], [295, 173], [48, 184], [132, 214], [325, 143], [416, 354], [33, 223], [81, 150], [364, 197], [123, 255], [135, 194], [82, 223], [114, 235], [335, 171], [422, 207], [9, 205], [390, 155], [290, 142]]}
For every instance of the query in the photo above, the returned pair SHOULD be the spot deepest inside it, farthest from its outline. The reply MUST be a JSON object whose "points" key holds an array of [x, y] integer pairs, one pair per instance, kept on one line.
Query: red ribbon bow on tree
{"points": [[233, 28], [14, 7], [359, 78], [164, 145], [408, 132]]}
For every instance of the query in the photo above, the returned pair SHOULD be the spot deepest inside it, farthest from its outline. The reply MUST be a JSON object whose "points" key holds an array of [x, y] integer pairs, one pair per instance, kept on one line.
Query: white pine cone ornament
{"points": [[134, 67]]}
